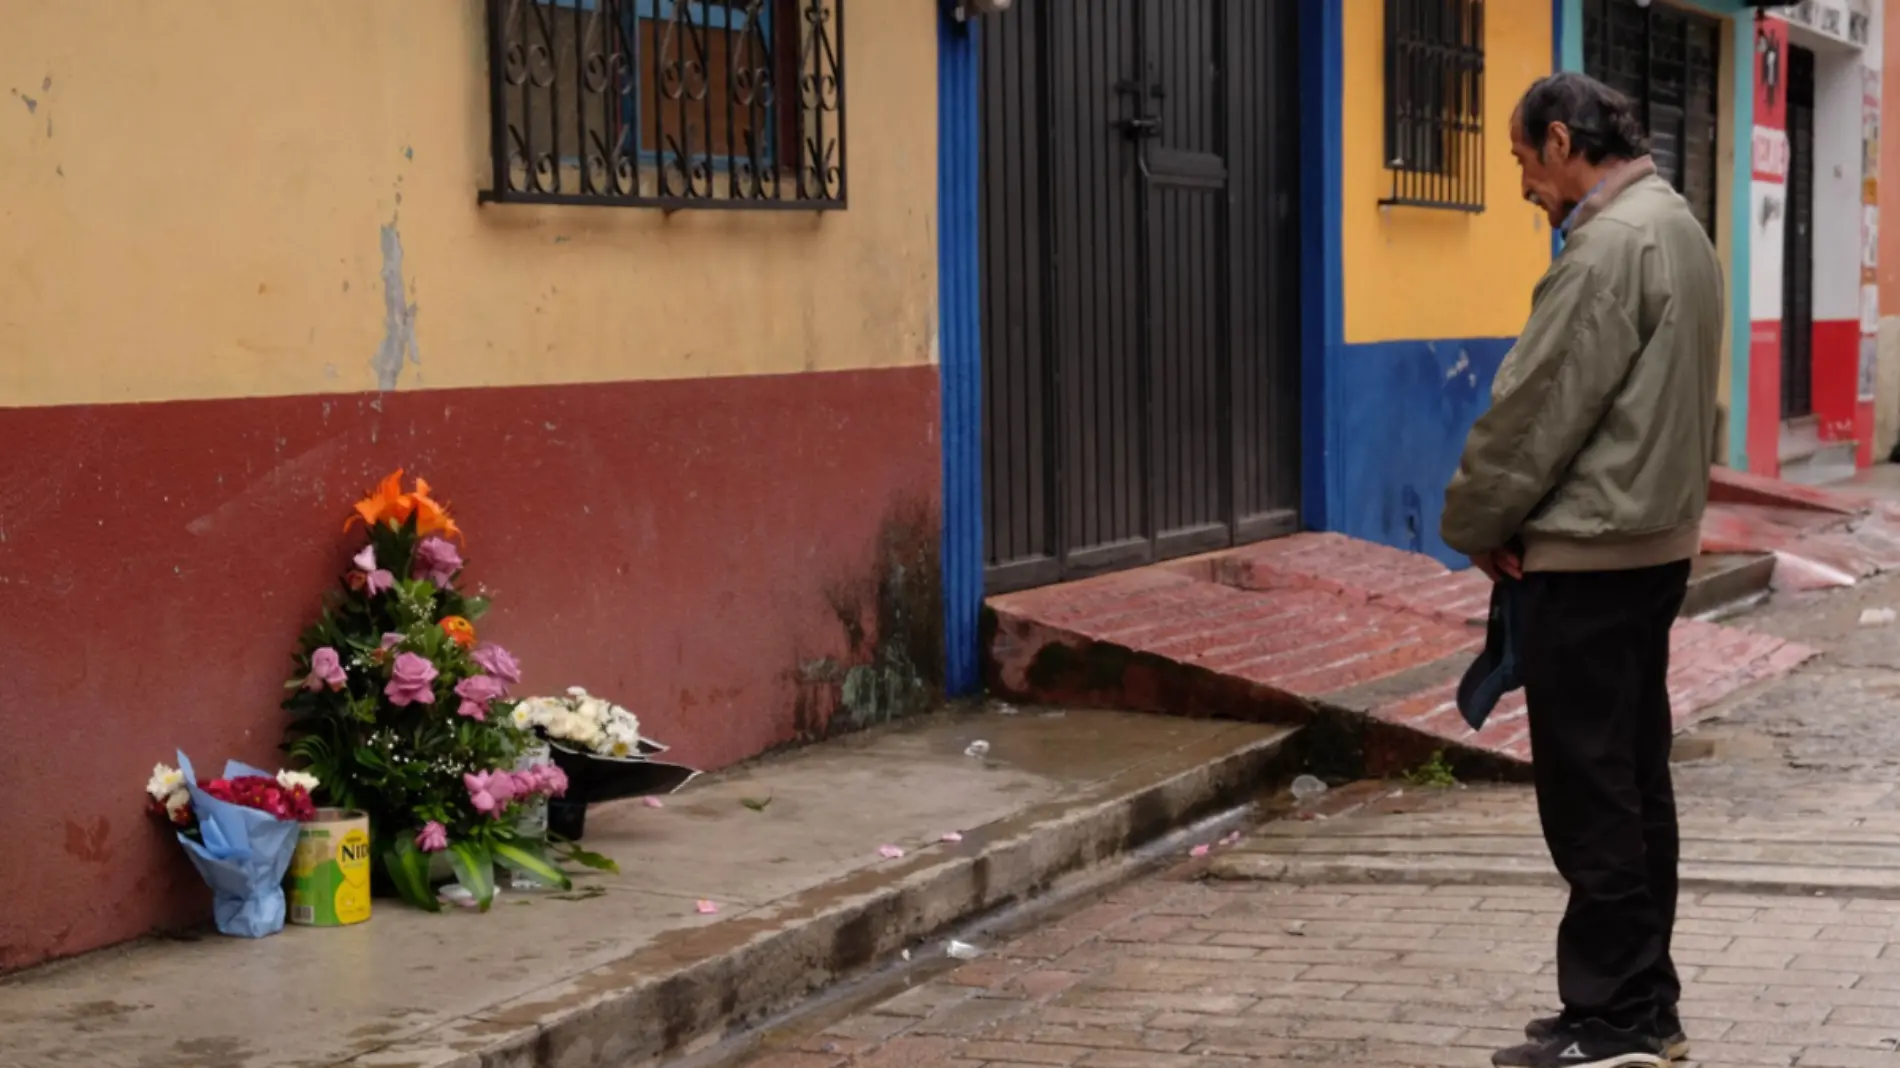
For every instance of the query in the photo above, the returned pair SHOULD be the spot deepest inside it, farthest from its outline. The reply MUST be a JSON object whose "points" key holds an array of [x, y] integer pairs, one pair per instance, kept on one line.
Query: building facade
{"points": [[747, 398], [1813, 238], [1212, 315], [261, 254]]}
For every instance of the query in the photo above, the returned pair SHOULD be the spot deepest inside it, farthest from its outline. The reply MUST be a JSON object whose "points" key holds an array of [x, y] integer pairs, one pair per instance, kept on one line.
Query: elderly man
{"points": [[1584, 486]]}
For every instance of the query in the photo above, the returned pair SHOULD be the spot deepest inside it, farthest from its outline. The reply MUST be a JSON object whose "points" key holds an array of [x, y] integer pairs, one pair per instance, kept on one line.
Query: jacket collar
{"points": [[1621, 177]]}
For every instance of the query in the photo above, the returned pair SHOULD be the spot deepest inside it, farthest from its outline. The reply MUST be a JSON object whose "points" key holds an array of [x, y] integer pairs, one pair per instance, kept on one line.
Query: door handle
{"points": [[1141, 129]]}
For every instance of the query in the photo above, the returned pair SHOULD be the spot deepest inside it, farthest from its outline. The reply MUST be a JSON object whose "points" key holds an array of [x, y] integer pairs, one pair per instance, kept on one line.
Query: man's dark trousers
{"points": [[1595, 666]]}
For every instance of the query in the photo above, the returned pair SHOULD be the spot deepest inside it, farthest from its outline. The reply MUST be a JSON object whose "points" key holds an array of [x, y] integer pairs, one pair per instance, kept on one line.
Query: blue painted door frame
{"points": [[960, 363]]}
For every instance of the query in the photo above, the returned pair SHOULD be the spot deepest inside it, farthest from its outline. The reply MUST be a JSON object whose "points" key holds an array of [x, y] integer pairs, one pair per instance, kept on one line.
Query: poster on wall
{"points": [[1771, 101], [1869, 232], [1869, 173]]}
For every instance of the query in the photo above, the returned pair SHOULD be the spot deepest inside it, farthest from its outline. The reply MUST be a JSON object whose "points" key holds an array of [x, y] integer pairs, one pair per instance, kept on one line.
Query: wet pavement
{"points": [[1419, 930], [791, 852]]}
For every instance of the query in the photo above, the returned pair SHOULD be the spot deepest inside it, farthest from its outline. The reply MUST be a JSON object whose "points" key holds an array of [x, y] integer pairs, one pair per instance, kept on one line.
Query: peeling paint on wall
{"points": [[399, 316]]}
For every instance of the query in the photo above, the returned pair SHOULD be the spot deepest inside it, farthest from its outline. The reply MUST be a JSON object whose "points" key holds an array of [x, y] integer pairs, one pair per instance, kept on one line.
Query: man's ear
{"points": [[1557, 139]]}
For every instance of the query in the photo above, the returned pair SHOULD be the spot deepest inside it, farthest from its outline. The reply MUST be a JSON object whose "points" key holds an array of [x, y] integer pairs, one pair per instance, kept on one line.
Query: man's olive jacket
{"points": [[1596, 450]]}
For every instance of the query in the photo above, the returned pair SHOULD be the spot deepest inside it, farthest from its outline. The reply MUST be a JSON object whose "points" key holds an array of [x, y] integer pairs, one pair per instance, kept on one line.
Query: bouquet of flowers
{"points": [[599, 746], [240, 832], [581, 721], [404, 713]]}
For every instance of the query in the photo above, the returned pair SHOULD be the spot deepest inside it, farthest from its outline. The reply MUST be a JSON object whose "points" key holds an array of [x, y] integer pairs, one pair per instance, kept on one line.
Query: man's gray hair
{"points": [[1602, 121]]}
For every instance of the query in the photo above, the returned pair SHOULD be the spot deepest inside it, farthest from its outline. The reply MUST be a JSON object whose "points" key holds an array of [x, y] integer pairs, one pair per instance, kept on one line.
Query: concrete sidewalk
{"points": [[625, 969]]}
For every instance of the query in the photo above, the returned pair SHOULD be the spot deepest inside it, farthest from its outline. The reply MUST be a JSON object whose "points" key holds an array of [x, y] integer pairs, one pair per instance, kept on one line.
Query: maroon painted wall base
{"points": [[688, 548]]}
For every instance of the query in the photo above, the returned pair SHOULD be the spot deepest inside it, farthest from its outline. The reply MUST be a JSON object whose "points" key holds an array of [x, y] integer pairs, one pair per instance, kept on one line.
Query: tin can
{"points": [[329, 873]]}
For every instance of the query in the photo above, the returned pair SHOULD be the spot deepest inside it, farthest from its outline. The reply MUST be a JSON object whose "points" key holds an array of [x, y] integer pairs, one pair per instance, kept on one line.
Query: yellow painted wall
{"points": [[1414, 273], [196, 190]]}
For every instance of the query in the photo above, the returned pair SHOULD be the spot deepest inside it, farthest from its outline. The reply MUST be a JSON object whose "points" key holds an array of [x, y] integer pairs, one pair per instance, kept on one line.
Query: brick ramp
{"points": [[1820, 537], [1312, 627]]}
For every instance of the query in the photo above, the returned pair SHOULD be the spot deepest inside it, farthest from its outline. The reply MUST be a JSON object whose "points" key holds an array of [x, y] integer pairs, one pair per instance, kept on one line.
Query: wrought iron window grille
{"points": [[670, 104], [1434, 103]]}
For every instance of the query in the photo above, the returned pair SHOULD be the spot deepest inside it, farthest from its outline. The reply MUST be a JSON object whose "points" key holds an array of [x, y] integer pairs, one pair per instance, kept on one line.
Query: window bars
{"points": [[669, 104], [1434, 103]]}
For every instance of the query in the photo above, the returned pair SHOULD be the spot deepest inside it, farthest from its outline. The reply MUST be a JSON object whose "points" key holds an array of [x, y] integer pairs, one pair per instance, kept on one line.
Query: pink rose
{"points": [[497, 662], [326, 670], [476, 691], [437, 561], [412, 681], [432, 838]]}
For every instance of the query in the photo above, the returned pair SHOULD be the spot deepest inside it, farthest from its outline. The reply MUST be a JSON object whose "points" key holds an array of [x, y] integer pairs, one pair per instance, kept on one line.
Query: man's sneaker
{"points": [[1675, 1043], [1585, 1045]]}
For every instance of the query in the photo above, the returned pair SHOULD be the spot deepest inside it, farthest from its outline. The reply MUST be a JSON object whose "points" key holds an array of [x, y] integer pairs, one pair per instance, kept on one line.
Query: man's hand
{"points": [[1499, 563]]}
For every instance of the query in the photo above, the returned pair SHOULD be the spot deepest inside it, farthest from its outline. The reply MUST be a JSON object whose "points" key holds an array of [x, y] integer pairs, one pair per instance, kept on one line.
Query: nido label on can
{"points": [[329, 873]]}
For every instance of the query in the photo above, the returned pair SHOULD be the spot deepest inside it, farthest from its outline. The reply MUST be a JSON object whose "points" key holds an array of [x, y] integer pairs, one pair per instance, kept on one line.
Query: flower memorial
{"points": [[240, 832], [403, 712]]}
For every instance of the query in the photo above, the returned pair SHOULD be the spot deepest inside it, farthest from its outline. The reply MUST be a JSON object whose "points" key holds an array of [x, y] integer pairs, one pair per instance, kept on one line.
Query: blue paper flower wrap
{"points": [[243, 857]]}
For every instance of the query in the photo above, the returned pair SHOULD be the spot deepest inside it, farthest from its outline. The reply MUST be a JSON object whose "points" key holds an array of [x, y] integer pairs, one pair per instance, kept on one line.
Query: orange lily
{"points": [[431, 516], [388, 503]]}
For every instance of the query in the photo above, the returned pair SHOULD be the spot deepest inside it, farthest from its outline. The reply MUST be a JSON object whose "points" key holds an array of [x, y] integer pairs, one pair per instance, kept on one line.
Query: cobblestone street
{"points": [[1178, 969]]}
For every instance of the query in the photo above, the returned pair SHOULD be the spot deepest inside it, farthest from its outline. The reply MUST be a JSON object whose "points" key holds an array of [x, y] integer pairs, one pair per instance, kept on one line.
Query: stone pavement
{"points": [[1364, 959], [627, 969], [1172, 973]]}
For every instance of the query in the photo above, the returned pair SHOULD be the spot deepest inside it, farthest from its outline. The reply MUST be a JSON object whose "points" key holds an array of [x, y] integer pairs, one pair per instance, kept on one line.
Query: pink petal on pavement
{"points": [[705, 908], [652, 802], [1198, 851], [889, 852], [951, 836], [1231, 839]]}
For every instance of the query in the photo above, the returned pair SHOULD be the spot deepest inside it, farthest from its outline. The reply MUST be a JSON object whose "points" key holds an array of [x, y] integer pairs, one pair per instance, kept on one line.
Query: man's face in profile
{"points": [[1541, 181]]}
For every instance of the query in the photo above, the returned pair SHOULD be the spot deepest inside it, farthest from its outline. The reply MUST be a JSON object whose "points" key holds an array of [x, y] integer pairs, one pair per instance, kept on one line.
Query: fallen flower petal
{"points": [[652, 802], [1198, 851], [889, 852], [951, 836], [705, 908]]}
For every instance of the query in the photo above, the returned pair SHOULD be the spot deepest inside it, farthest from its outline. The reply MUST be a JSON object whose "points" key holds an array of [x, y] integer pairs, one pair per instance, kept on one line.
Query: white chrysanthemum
{"points": [[176, 803], [522, 717], [620, 747], [623, 725], [290, 780], [576, 691], [165, 780]]}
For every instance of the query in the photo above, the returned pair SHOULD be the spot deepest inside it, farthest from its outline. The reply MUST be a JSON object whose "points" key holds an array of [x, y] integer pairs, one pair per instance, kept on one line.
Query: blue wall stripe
{"points": [[1322, 278], [1570, 30], [1562, 38], [960, 360], [1741, 227]]}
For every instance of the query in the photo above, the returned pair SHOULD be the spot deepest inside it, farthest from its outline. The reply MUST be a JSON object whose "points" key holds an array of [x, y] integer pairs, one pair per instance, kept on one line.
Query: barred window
{"points": [[1434, 103], [668, 104], [1668, 61]]}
